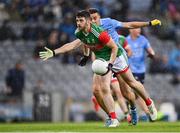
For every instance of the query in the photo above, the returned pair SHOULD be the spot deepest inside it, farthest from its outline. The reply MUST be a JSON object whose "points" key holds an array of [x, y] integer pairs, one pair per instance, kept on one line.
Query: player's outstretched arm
{"points": [[136, 24], [65, 48]]}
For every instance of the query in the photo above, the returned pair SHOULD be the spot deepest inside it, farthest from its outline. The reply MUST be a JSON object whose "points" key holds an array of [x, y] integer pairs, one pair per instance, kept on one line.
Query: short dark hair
{"points": [[83, 13], [93, 10]]}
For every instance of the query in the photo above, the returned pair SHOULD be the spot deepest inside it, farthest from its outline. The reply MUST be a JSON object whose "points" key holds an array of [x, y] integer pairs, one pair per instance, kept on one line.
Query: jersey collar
{"points": [[89, 30]]}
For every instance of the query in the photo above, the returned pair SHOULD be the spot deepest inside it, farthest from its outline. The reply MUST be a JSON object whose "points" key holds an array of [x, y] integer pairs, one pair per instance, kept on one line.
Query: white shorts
{"points": [[120, 64]]}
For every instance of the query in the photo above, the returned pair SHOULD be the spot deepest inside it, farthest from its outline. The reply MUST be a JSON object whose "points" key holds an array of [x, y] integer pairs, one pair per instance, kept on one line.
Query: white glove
{"points": [[46, 54]]}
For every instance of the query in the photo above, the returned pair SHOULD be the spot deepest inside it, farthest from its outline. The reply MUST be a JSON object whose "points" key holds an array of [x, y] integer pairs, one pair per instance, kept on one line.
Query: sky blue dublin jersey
{"points": [[111, 25], [138, 47]]}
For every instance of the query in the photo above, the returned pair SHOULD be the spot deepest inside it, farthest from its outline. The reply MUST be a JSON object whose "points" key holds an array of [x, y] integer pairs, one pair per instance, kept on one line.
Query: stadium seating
{"points": [[73, 80]]}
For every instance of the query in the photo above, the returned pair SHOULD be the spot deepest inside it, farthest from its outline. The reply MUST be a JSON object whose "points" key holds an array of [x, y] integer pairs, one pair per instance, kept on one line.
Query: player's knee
{"points": [[105, 89], [132, 84], [96, 90], [125, 94]]}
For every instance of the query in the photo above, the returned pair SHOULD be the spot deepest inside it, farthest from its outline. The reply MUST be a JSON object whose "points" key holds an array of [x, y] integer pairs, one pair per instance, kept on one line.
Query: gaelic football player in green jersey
{"points": [[98, 40], [111, 25]]}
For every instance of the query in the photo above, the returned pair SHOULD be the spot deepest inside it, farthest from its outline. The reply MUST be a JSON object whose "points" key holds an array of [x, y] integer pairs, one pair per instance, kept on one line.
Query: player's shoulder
{"points": [[105, 20], [76, 31], [143, 37], [96, 28]]}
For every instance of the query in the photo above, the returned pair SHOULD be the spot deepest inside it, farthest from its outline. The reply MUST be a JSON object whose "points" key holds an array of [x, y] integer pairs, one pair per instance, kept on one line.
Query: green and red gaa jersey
{"points": [[122, 41], [96, 40]]}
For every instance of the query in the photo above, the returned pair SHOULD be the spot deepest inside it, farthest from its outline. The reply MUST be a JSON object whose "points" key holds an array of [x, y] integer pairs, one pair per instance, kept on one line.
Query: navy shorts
{"points": [[139, 77]]}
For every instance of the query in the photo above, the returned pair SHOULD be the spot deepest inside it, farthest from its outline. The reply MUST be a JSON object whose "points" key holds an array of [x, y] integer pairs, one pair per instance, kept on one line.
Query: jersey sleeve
{"points": [[116, 24], [76, 33], [147, 44], [125, 44], [104, 37]]}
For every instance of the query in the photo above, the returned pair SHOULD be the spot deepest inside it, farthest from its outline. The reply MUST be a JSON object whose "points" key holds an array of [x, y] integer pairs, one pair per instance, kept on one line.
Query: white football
{"points": [[99, 66]]}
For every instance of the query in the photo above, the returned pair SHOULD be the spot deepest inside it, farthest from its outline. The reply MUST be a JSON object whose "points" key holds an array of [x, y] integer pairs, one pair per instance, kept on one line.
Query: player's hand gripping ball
{"points": [[100, 66]]}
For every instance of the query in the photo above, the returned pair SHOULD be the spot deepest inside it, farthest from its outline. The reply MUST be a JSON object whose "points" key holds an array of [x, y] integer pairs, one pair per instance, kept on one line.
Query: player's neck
{"points": [[133, 37], [88, 28]]}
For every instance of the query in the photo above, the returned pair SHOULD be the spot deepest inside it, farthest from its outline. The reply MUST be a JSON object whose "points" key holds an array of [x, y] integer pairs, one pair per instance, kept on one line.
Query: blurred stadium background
{"points": [[60, 90]]}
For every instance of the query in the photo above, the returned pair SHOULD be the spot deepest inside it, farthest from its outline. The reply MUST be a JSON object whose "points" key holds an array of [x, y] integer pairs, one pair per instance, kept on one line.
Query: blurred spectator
{"points": [[34, 32], [53, 40], [169, 13], [174, 11], [67, 26], [3, 13], [34, 10], [70, 57], [158, 6], [15, 80], [67, 7], [67, 57], [102, 7], [159, 64], [56, 9], [27, 13], [121, 9], [174, 63], [42, 103], [39, 86], [14, 9], [39, 47], [37, 3], [6, 31]]}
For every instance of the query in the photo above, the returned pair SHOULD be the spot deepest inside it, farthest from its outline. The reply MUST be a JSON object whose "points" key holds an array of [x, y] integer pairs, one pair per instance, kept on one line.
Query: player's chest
{"points": [[90, 39]]}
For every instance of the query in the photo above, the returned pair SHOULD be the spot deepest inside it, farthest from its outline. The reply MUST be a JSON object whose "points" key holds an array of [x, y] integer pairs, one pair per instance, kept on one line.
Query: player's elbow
{"points": [[129, 53], [115, 51]]}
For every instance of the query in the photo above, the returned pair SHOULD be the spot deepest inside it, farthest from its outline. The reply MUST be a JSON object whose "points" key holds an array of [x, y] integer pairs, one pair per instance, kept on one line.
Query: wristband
{"points": [[53, 52]]}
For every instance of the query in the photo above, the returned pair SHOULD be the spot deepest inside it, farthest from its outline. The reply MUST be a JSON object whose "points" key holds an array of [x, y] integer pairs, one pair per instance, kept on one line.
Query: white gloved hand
{"points": [[46, 54]]}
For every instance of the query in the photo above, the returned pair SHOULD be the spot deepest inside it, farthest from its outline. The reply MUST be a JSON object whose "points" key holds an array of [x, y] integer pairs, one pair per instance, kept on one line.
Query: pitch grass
{"points": [[89, 127]]}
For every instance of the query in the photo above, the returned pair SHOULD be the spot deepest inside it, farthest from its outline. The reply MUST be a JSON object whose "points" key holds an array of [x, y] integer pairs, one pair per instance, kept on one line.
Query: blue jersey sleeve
{"points": [[116, 24], [147, 43]]}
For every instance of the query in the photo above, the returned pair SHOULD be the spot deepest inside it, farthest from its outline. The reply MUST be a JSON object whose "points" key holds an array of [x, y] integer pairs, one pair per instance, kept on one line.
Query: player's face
{"points": [[81, 23], [95, 17], [135, 32]]}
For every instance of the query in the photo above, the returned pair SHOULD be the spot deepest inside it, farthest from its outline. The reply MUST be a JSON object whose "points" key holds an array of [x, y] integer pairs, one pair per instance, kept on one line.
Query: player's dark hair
{"points": [[83, 13], [93, 10]]}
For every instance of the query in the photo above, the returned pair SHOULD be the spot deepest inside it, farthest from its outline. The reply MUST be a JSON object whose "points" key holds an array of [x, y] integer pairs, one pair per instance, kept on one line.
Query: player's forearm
{"points": [[114, 51], [129, 52], [86, 51], [67, 47], [131, 25], [93, 57], [151, 53]]}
